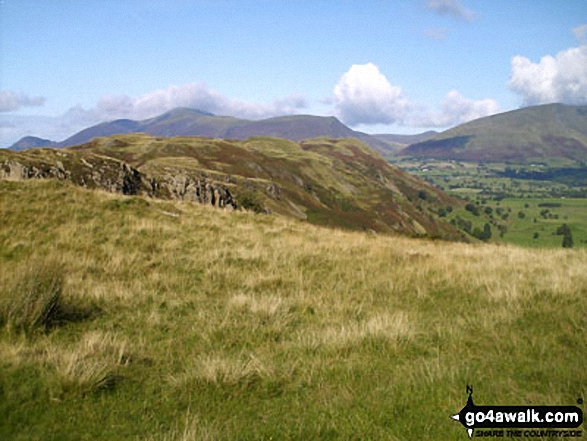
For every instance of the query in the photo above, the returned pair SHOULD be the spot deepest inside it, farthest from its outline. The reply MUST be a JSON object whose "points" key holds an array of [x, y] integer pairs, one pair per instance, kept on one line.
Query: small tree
{"points": [[487, 232], [568, 239]]}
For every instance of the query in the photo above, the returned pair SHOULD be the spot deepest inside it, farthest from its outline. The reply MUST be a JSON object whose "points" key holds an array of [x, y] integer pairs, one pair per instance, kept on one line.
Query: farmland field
{"points": [[525, 212]]}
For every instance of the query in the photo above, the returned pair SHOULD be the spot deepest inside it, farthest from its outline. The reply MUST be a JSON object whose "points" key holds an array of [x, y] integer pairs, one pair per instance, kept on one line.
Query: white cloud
{"points": [[364, 96], [111, 107], [455, 109], [581, 33], [11, 101], [193, 95], [452, 8], [562, 78]]}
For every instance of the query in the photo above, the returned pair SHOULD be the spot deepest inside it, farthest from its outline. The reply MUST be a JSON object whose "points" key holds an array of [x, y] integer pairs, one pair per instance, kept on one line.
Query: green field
{"points": [[135, 318], [523, 230], [514, 205]]}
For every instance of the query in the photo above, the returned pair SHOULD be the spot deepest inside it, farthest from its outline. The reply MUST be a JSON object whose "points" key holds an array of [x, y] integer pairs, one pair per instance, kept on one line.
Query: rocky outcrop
{"points": [[194, 188], [91, 172], [94, 171]]}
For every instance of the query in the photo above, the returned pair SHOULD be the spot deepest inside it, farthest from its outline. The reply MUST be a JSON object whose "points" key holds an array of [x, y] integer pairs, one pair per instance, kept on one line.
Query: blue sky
{"points": [[400, 66]]}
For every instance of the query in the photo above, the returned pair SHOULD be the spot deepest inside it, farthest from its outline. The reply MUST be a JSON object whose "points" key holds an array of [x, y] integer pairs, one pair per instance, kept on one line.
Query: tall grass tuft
{"points": [[34, 299]]}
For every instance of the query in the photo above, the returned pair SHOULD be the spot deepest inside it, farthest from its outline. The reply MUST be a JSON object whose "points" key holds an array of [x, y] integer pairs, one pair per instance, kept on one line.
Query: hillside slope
{"points": [[175, 321], [335, 182], [532, 134]]}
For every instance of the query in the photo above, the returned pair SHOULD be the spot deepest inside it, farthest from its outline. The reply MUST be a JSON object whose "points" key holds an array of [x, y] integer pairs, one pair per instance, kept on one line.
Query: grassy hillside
{"points": [[131, 318], [551, 132], [335, 182]]}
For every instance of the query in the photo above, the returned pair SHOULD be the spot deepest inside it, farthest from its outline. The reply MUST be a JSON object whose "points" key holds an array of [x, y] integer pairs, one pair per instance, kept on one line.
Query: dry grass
{"points": [[280, 328], [33, 298]]}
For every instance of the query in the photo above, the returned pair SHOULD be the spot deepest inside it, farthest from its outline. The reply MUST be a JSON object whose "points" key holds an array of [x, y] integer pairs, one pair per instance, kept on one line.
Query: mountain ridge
{"points": [[530, 134]]}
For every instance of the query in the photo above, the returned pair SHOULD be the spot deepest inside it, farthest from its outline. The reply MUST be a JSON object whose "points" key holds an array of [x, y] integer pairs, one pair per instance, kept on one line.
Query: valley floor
{"points": [[169, 320]]}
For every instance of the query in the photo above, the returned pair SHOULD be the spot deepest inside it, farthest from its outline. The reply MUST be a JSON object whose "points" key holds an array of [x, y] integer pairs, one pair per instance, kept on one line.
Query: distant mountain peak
{"points": [[185, 111], [30, 142]]}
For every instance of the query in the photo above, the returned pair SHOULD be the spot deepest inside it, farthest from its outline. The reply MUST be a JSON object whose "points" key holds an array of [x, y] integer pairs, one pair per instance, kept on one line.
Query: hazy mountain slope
{"points": [[300, 127], [103, 129], [405, 140], [334, 182], [190, 122], [30, 142], [530, 134]]}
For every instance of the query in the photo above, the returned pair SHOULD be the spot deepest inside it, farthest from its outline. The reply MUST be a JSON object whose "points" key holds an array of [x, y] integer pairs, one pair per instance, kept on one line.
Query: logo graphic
{"points": [[520, 417]]}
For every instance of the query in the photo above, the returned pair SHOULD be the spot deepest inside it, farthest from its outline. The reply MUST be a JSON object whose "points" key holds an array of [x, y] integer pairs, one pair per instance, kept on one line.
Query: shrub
{"points": [[565, 231], [34, 299], [472, 208], [249, 200], [484, 234], [568, 241]]}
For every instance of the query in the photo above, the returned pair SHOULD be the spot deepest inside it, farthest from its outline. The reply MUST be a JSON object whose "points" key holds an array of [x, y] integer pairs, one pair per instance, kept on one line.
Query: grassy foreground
{"points": [[129, 318]]}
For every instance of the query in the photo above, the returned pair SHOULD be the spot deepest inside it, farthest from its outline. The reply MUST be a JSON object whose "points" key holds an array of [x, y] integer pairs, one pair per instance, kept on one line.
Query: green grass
{"points": [[208, 324], [480, 185], [572, 212], [35, 299]]}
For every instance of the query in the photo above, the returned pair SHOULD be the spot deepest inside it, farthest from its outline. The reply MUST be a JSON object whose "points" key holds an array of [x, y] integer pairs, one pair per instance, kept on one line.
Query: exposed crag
{"points": [[94, 171]]}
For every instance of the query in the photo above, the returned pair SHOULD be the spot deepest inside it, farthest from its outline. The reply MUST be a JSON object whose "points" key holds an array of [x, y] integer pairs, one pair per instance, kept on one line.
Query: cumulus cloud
{"points": [[451, 8], [11, 101], [193, 95], [363, 95], [562, 78], [455, 109]]}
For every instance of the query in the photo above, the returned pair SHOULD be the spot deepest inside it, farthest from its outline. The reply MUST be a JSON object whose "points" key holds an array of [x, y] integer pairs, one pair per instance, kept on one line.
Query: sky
{"points": [[380, 66]]}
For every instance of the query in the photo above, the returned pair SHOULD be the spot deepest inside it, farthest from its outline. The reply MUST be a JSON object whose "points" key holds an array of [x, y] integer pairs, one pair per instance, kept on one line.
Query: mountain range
{"points": [[531, 134], [191, 122]]}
